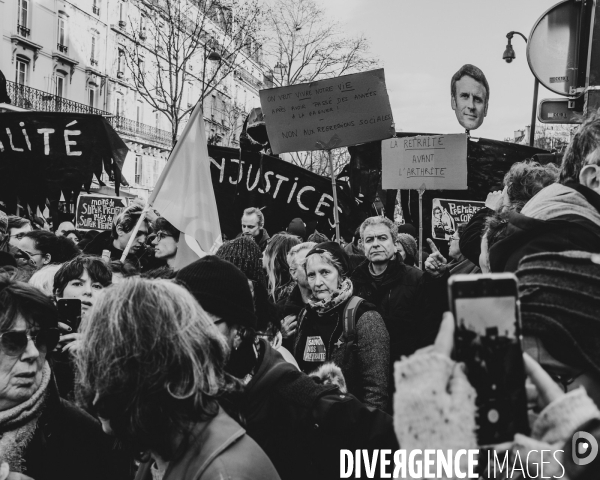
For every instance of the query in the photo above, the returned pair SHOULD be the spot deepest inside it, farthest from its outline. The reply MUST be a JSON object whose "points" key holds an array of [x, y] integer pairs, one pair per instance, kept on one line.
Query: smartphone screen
{"points": [[487, 340], [69, 312]]}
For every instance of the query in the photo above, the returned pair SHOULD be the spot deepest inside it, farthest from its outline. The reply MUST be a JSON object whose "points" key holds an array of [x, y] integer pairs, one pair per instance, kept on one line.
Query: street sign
{"points": [[556, 110], [552, 49]]}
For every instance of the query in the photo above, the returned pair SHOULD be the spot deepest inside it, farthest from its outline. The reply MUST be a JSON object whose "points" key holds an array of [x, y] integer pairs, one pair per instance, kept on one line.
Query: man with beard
{"points": [[299, 423]]}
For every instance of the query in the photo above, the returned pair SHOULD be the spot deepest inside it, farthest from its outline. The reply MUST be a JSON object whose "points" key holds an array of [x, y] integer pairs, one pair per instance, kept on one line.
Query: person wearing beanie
{"points": [[245, 254], [407, 248], [396, 289], [282, 405], [297, 227], [362, 352]]}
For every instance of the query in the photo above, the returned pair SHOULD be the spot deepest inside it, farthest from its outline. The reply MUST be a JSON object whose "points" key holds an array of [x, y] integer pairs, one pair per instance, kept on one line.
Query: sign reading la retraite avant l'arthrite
{"points": [[330, 113], [438, 161]]}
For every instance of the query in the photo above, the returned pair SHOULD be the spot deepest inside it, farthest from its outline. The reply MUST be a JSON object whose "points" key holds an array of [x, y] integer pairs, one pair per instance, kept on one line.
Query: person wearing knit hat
{"points": [[279, 401], [560, 305], [362, 352], [245, 254], [297, 227], [407, 248]]}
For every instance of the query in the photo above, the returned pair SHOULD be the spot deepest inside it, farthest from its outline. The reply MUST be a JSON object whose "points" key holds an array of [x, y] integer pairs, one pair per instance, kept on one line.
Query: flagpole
{"points": [[133, 233], [336, 217]]}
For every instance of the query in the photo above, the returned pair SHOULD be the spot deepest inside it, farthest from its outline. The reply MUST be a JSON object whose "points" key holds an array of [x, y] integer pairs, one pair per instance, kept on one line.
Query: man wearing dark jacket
{"points": [[300, 424], [253, 225], [563, 216], [398, 290]]}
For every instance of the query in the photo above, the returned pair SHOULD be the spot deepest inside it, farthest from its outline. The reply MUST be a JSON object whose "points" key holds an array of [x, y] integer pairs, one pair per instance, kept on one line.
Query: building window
{"points": [[23, 17], [62, 34], [22, 71], [139, 112], [143, 27], [96, 7], [59, 85], [92, 96], [119, 105], [120, 63], [93, 51], [138, 169], [122, 14]]}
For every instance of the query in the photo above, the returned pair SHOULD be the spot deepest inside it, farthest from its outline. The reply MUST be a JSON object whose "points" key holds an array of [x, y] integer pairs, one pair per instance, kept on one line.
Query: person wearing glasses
{"points": [[166, 241], [45, 248], [41, 435]]}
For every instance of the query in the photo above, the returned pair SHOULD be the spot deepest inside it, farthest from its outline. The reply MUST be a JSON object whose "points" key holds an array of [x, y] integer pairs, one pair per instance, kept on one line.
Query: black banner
{"points": [[282, 190], [45, 153]]}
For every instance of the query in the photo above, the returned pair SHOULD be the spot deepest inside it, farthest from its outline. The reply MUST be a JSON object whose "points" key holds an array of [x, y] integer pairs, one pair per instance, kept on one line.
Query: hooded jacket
{"points": [[302, 425], [401, 299], [363, 357], [559, 218]]}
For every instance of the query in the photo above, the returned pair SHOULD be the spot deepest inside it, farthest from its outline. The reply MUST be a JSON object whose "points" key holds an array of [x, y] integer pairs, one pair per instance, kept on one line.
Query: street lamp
{"points": [[280, 70], [508, 56]]}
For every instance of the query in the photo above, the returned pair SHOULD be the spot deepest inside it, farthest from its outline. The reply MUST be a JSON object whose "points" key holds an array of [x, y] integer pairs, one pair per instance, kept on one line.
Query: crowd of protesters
{"points": [[269, 357]]}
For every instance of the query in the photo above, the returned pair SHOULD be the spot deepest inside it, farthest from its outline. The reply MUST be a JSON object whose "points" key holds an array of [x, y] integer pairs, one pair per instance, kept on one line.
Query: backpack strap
{"points": [[350, 315]]}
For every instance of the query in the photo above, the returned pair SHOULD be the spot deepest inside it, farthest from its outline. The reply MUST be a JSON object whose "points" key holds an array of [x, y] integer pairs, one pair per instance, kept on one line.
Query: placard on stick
{"points": [[439, 162], [336, 112], [447, 214], [96, 212]]}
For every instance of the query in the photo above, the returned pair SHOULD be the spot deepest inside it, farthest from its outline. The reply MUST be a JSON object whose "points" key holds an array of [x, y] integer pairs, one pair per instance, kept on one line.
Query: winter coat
{"points": [[143, 260], [363, 357], [302, 425], [261, 239], [69, 444], [403, 301], [221, 450], [557, 219]]}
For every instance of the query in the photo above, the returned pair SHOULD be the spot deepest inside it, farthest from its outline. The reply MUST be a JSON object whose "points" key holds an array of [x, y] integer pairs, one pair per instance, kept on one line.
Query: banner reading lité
{"points": [[96, 212], [446, 215], [439, 162], [330, 113]]}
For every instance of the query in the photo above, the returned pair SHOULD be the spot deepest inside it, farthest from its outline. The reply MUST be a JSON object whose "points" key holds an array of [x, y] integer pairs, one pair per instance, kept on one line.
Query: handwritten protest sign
{"points": [[330, 113], [439, 162], [96, 212], [446, 215]]}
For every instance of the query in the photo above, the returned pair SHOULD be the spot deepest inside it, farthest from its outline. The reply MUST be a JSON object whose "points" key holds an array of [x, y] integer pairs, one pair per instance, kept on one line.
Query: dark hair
{"points": [[473, 72], [525, 179], [275, 255], [460, 228], [156, 361], [162, 223], [127, 269], [317, 237], [21, 299], [95, 266], [60, 249], [66, 233], [127, 219], [585, 141], [16, 222]]}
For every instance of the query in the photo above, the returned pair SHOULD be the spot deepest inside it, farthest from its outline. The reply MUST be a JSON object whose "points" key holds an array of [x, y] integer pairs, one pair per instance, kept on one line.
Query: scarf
{"points": [[323, 307], [17, 425]]}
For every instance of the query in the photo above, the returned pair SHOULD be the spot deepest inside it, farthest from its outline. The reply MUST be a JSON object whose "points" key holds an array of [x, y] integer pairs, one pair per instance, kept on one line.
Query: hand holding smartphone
{"points": [[488, 341], [69, 312]]}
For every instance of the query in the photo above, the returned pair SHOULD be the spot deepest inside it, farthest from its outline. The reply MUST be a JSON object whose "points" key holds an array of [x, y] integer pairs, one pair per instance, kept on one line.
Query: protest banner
{"points": [[446, 215], [96, 212], [44, 154], [345, 110], [439, 162], [282, 190]]}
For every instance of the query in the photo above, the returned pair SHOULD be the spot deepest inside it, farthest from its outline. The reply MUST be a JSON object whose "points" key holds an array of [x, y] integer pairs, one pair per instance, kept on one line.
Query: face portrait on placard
{"points": [[470, 93]]}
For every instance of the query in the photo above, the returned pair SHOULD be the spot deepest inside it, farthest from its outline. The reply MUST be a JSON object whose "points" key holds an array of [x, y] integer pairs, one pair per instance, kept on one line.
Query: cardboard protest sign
{"points": [[446, 215], [330, 113], [436, 161], [282, 190], [96, 212], [44, 154]]}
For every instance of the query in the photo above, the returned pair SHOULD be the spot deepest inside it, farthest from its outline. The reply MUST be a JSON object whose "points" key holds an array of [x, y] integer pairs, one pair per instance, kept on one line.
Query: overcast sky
{"points": [[422, 43]]}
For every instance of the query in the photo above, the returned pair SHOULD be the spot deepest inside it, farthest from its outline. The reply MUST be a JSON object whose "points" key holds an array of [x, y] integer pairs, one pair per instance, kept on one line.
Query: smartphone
{"points": [[487, 340], [69, 312]]}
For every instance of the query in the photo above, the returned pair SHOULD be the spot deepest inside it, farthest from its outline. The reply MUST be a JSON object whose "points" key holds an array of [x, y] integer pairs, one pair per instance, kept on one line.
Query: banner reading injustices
{"points": [[330, 113], [446, 215], [96, 212], [44, 154], [282, 190]]}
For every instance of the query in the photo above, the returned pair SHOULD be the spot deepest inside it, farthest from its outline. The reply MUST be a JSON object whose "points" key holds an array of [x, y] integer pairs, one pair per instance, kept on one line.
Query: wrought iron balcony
{"points": [[122, 23], [34, 99], [94, 61], [23, 30], [96, 10], [62, 48], [248, 78]]}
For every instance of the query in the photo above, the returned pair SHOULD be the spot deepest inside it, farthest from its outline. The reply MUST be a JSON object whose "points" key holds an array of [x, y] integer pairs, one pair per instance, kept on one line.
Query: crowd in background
{"points": [[267, 358]]}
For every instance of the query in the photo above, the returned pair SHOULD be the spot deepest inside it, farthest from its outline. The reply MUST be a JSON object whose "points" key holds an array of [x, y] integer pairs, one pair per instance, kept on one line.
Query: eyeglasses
{"points": [[160, 235], [14, 342]]}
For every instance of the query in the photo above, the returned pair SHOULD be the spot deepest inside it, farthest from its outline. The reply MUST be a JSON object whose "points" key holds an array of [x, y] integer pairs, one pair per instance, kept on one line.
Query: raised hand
{"points": [[436, 264]]}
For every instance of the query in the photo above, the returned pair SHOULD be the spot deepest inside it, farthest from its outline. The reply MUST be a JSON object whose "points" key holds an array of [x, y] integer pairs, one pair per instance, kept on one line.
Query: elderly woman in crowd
{"points": [[152, 366], [41, 435], [361, 350]]}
